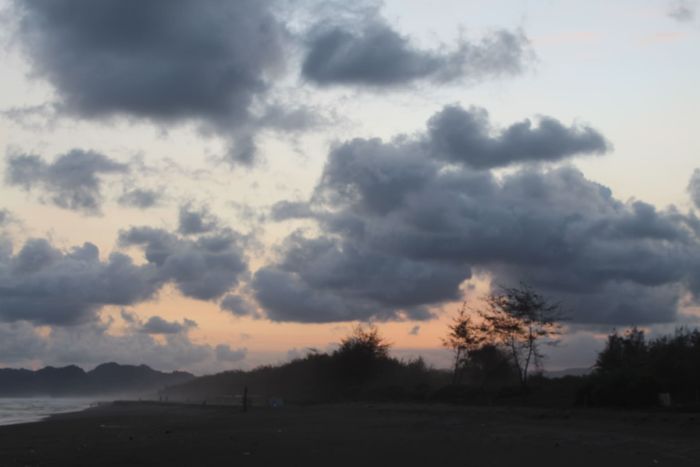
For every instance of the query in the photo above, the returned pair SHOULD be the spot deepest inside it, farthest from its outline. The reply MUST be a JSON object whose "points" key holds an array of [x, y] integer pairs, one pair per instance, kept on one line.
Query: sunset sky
{"points": [[215, 184]]}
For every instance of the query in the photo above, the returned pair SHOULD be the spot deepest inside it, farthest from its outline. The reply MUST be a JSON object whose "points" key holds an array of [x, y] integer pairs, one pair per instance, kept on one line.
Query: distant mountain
{"points": [[108, 378]]}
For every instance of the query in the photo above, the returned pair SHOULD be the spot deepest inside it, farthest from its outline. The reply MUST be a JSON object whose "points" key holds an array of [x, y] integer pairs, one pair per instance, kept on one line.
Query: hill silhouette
{"points": [[105, 379]]}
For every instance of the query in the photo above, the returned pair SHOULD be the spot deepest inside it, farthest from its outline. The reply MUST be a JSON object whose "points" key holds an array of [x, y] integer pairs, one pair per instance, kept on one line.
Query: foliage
{"points": [[631, 371], [490, 367], [360, 369], [464, 338], [366, 342], [519, 318], [361, 354]]}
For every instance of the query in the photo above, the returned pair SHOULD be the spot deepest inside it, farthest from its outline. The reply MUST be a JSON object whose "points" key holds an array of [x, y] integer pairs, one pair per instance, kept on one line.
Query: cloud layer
{"points": [[93, 343], [694, 188], [467, 136], [46, 285], [158, 325], [401, 229], [204, 268], [140, 198], [72, 181], [374, 54], [159, 60], [682, 10]]}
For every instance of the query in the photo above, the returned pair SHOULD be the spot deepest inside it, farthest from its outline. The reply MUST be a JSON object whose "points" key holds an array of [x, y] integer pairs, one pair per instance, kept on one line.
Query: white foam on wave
{"points": [[24, 410]]}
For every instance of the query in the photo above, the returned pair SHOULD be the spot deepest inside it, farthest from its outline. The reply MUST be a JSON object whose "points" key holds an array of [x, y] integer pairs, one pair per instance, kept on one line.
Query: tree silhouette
{"points": [[361, 353], [464, 337], [490, 365], [628, 351], [519, 318]]}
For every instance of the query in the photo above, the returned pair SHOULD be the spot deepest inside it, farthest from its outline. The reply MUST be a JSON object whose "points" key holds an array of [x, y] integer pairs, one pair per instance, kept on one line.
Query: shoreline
{"points": [[18, 410]]}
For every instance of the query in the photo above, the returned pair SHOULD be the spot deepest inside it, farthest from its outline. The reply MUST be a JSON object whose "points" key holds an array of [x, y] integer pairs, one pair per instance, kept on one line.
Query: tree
{"points": [[623, 352], [490, 365], [520, 319], [464, 337], [361, 353]]}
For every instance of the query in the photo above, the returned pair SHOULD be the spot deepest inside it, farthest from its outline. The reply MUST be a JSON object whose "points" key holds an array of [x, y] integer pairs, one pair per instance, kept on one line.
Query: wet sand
{"points": [[352, 435]]}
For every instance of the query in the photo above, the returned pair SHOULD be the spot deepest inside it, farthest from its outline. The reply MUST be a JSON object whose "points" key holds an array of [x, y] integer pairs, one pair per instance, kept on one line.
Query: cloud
{"points": [[284, 210], [93, 343], [466, 136], [158, 325], [45, 285], [415, 330], [140, 198], [20, 343], [694, 188], [378, 176], [89, 344], [204, 268], [238, 305], [376, 55], [128, 317], [72, 181], [681, 10], [292, 119], [322, 280], [400, 228], [204, 61], [224, 353], [196, 221]]}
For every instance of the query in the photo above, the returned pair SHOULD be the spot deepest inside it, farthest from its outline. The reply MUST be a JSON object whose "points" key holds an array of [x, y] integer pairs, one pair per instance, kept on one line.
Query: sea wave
{"points": [[24, 410]]}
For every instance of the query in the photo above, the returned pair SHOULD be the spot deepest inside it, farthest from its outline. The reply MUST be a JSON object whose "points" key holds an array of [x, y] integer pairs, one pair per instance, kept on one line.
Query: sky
{"points": [[209, 184]]}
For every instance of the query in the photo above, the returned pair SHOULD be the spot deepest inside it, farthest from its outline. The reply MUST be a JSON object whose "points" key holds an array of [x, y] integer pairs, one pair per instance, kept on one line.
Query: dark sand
{"points": [[357, 435]]}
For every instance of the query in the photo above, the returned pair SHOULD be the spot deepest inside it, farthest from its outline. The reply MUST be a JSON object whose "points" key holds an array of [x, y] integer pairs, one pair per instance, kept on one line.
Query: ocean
{"points": [[22, 410]]}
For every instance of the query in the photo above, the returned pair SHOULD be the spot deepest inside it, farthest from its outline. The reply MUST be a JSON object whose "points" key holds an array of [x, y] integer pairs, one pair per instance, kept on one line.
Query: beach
{"points": [[147, 433]]}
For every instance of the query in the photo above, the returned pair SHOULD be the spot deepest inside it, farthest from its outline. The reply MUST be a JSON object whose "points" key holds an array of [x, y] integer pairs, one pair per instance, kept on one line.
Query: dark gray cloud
{"points": [[238, 305], [400, 229], [322, 280], [284, 210], [161, 60], [292, 119], [204, 268], [415, 330], [374, 175], [694, 188], [682, 10], [140, 198], [19, 343], [374, 54], [203, 61], [45, 285], [128, 316], [72, 181], [467, 136], [224, 353], [158, 325], [193, 220]]}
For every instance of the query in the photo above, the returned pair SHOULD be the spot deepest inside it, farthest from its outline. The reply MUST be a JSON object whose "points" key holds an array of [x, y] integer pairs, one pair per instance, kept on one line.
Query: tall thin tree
{"points": [[521, 319], [464, 337]]}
